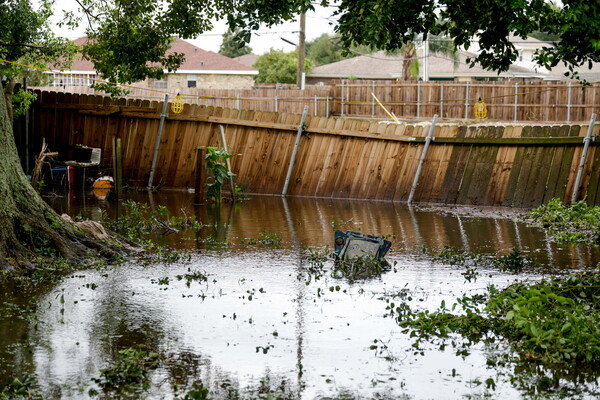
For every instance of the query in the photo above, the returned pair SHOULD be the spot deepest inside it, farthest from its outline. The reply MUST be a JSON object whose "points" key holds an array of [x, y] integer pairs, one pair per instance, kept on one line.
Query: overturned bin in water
{"points": [[352, 246]]}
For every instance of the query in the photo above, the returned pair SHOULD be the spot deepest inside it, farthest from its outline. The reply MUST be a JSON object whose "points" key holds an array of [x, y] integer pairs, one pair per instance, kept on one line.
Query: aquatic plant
{"points": [[570, 223], [19, 389], [266, 238], [191, 276], [198, 392], [129, 375], [360, 268], [137, 220], [216, 163], [514, 262], [552, 323]]}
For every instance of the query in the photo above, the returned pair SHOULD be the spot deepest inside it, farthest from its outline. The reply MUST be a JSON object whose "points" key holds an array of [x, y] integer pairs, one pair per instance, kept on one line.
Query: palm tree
{"points": [[411, 65]]}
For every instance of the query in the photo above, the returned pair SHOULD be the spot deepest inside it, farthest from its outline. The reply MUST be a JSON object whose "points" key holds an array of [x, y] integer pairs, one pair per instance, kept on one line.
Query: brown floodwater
{"points": [[260, 322]]}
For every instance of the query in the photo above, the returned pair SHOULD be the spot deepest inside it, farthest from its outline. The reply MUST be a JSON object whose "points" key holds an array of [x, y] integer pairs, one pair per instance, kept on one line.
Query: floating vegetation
{"points": [[552, 323], [314, 266], [17, 389], [360, 268], [192, 276], [513, 262], [571, 223], [129, 375], [266, 238], [137, 220]]}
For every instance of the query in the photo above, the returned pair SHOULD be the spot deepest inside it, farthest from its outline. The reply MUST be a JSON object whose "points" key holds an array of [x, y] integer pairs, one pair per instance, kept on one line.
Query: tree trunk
{"points": [[9, 92], [29, 229]]}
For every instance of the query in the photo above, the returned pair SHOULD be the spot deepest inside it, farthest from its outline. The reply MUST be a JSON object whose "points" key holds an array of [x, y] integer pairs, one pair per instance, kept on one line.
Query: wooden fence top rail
{"points": [[123, 111]]}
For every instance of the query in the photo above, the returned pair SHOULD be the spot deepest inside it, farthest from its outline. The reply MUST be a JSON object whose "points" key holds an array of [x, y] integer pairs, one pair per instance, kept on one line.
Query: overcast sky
{"points": [[317, 23]]}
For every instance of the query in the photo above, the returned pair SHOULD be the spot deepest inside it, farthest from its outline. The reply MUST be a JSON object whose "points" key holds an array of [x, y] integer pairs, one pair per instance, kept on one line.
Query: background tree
{"points": [[26, 38], [277, 66], [386, 24], [326, 49], [232, 47]]}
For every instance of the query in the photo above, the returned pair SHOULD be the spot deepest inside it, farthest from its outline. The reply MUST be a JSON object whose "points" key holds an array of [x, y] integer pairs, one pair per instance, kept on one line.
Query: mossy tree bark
{"points": [[29, 229]]}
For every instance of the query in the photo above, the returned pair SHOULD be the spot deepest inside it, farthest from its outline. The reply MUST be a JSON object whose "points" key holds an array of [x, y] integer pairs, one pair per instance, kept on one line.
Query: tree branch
{"points": [[32, 46]]}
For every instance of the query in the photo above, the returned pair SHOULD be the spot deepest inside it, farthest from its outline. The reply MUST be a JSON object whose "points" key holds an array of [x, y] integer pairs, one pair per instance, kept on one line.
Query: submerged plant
{"points": [[571, 223], [216, 163], [138, 219]]}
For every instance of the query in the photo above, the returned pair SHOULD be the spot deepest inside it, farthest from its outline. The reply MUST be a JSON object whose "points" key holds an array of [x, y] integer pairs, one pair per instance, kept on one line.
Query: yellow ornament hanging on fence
{"points": [[480, 109], [177, 104]]}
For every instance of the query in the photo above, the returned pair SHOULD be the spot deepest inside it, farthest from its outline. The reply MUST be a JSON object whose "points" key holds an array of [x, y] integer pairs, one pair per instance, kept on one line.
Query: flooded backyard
{"points": [[247, 312]]}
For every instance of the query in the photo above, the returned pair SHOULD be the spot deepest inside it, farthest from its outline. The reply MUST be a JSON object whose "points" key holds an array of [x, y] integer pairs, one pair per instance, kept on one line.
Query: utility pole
{"points": [[301, 51], [425, 60]]}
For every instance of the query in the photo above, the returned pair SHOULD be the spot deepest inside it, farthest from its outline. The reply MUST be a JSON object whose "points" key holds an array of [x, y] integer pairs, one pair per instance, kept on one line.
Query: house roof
{"points": [[381, 66], [247, 59], [197, 61]]}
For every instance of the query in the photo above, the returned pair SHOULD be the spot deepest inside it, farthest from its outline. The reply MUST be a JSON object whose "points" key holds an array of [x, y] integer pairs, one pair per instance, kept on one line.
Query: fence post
{"points": [[428, 140], [117, 167], [569, 104], [198, 190], [418, 99], [442, 100], [586, 146], [316, 110], [327, 106], [238, 102], [161, 126], [294, 152], [343, 99], [373, 100], [276, 104], [467, 100], [516, 101]]}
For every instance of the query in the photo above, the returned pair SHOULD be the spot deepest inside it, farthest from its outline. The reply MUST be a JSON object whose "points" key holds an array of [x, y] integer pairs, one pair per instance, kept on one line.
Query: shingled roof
{"points": [[197, 61], [381, 66]]}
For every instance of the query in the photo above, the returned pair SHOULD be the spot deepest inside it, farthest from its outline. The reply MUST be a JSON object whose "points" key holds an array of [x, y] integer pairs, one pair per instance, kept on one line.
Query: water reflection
{"points": [[253, 327], [307, 222]]}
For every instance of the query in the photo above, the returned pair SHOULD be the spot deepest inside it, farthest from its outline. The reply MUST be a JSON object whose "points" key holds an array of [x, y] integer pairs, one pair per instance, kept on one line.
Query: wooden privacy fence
{"points": [[535, 101], [516, 165], [506, 101], [284, 100]]}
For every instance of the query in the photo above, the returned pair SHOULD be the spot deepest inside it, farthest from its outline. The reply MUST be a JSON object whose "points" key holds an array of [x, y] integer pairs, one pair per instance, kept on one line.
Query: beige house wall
{"points": [[204, 81]]}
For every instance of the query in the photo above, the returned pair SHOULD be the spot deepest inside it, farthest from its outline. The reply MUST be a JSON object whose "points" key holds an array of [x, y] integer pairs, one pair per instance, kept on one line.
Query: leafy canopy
{"points": [[326, 50], [232, 47], [26, 38], [130, 38], [279, 67], [386, 24]]}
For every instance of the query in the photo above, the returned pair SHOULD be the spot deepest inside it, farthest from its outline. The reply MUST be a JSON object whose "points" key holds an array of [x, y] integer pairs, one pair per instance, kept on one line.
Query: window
{"points": [[160, 84], [72, 79], [191, 80]]}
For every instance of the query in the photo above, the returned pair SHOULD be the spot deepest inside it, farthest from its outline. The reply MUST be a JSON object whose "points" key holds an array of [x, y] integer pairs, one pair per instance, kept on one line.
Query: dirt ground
{"points": [[477, 211]]}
